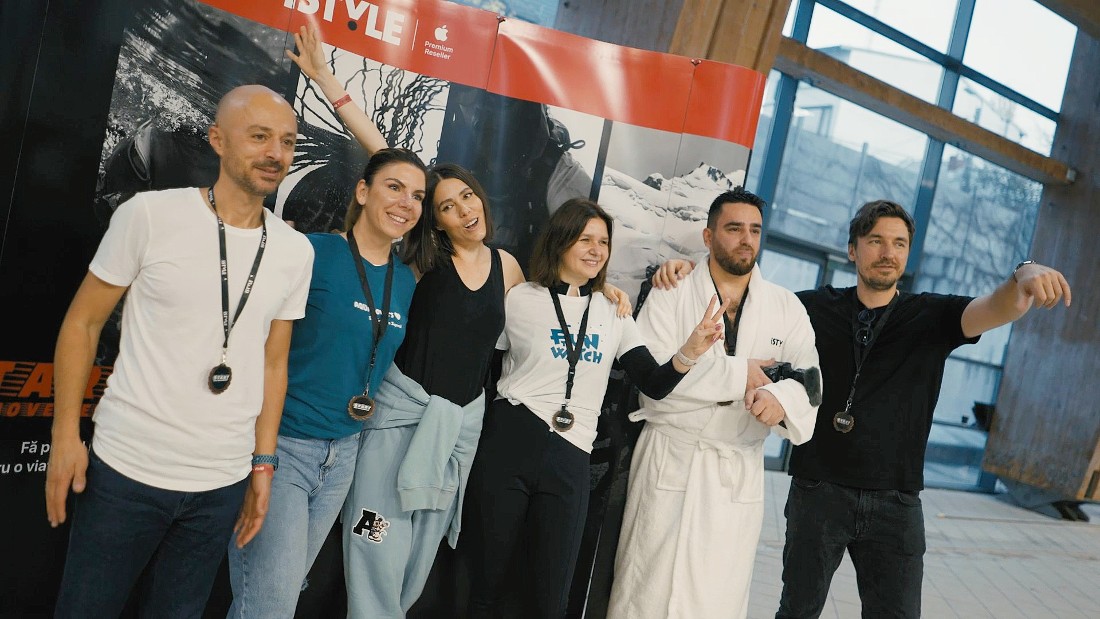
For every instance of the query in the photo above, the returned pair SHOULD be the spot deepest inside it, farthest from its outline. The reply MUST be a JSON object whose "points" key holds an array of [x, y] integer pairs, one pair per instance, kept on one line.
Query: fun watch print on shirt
{"points": [[589, 352]]}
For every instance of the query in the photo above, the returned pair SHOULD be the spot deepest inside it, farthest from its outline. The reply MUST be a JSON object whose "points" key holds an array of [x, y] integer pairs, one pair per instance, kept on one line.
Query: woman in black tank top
{"points": [[454, 322]]}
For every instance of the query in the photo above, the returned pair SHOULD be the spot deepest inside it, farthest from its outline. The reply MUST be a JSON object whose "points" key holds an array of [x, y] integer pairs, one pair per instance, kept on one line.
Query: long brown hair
{"points": [[562, 230], [379, 160], [428, 246]]}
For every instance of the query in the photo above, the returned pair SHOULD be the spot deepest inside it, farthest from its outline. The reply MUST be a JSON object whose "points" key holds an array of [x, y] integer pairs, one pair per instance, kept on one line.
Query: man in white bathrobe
{"points": [[695, 500]]}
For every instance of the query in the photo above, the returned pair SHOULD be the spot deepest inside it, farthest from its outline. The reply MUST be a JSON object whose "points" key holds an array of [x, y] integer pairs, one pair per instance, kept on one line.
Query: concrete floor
{"points": [[986, 558]]}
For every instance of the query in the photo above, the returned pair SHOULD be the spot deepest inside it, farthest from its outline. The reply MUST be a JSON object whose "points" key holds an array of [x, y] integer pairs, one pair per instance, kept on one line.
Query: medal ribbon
{"points": [[859, 356], [378, 323], [227, 326], [572, 352]]}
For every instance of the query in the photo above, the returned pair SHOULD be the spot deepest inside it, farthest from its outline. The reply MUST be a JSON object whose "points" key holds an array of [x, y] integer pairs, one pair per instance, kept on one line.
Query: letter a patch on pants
{"points": [[372, 524]]}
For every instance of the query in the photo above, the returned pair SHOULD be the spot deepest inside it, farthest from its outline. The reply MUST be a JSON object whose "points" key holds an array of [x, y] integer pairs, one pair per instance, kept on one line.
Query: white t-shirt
{"points": [[535, 365], [158, 422]]}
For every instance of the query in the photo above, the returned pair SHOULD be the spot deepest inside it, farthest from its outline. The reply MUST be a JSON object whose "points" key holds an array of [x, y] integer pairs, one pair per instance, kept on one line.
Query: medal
{"points": [[865, 338], [563, 419], [843, 422], [361, 407], [219, 378], [221, 375]]}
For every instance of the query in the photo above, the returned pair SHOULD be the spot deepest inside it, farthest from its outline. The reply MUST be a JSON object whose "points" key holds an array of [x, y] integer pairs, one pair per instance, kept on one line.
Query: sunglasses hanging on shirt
{"points": [[865, 338]]}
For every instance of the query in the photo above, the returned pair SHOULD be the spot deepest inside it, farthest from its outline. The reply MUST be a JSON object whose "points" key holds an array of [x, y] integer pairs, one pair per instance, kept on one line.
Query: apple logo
{"points": [[441, 33]]}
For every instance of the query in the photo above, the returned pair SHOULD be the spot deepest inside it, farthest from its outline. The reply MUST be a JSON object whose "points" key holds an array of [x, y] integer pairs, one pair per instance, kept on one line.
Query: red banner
{"points": [[438, 39]]}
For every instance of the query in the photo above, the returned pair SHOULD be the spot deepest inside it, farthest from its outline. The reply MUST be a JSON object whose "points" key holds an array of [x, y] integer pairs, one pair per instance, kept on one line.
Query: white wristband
{"points": [[684, 359]]}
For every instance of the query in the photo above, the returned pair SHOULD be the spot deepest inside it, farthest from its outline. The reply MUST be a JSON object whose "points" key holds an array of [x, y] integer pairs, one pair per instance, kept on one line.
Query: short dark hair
{"points": [[869, 214], [737, 195], [379, 160], [427, 246], [560, 233]]}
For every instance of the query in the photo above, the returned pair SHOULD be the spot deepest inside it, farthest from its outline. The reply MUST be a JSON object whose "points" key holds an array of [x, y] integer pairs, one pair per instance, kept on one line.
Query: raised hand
{"points": [[311, 57], [709, 330]]}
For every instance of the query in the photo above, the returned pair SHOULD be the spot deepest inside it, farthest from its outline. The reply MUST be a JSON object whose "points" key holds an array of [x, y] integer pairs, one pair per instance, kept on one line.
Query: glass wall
{"points": [[819, 157], [837, 156]]}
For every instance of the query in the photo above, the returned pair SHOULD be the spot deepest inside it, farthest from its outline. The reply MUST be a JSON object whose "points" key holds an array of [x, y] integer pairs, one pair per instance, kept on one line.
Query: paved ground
{"points": [[986, 558]]}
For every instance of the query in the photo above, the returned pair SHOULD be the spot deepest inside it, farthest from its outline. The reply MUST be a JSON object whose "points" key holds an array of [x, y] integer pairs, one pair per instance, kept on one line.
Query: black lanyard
{"points": [[572, 352], [227, 326], [861, 356], [378, 323], [731, 330]]}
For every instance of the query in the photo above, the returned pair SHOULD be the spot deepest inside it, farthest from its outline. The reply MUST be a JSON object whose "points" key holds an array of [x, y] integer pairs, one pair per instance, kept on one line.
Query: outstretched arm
{"points": [[311, 60], [1031, 284]]}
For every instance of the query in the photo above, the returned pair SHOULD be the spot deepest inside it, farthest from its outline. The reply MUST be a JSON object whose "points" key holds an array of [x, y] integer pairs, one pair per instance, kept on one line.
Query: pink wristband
{"points": [[263, 468]]}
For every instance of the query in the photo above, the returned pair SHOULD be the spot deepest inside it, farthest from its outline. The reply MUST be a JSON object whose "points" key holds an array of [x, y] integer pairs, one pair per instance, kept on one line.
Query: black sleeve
{"points": [[656, 381]]}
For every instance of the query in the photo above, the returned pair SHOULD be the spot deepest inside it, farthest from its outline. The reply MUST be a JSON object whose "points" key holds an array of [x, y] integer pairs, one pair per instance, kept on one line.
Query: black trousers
{"points": [[882, 530], [528, 484]]}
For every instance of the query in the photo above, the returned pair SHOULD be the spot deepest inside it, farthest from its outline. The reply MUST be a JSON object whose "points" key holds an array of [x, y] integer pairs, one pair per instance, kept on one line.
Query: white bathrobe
{"points": [[695, 499]]}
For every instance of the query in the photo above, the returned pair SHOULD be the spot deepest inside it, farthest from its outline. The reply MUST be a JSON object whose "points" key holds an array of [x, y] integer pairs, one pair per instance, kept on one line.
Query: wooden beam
{"points": [[1085, 14], [838, 78], [741, 32], [695, 28]]}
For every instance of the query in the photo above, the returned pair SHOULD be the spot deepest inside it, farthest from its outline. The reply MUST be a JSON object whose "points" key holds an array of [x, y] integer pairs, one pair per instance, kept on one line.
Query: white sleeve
{"points": [[630, 337], [800, 350], [122, 250]]}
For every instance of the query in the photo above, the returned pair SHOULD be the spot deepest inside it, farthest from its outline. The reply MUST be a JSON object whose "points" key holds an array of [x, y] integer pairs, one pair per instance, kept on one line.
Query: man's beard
{"points": [[256, 187], [878, 283], [732, 265]]}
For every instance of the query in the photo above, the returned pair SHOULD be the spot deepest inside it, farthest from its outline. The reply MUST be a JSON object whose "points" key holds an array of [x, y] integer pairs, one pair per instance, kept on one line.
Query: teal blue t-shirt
{"points": [[330, 346]]}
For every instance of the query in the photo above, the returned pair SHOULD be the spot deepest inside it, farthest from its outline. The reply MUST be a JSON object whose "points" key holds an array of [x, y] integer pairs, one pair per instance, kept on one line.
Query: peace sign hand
{"points": [[709, 330]]}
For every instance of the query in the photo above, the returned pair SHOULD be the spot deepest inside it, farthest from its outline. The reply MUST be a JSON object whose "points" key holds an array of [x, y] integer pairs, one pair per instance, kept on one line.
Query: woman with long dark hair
{"points": [[530, 477]]}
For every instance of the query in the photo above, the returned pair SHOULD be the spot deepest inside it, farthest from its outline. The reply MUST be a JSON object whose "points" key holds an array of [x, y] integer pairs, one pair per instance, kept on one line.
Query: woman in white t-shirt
{"points": [[530, 480]]}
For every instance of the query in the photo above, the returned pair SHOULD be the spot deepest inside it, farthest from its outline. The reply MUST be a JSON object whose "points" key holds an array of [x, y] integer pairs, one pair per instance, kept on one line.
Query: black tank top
{"points": [[452, 332]]}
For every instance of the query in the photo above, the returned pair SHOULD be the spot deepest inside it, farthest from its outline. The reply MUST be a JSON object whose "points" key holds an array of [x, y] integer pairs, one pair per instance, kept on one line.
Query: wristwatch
{"points": [[1019, 266], [271, 459]]}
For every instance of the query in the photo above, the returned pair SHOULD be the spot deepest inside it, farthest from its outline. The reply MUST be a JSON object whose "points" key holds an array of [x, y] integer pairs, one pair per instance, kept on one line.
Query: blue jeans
{"points": [[883, 531], [307, 492], [122, 527]]}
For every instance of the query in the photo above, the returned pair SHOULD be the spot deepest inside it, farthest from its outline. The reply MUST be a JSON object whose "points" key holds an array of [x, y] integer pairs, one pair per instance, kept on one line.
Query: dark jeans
{"points": [[883, 531], [527, 483], [122, 528]]}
